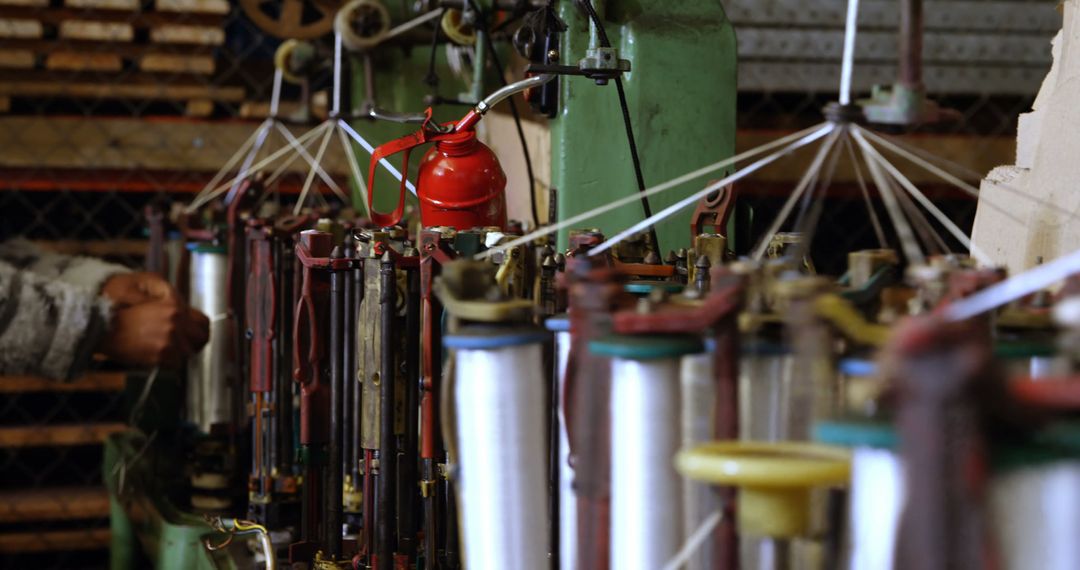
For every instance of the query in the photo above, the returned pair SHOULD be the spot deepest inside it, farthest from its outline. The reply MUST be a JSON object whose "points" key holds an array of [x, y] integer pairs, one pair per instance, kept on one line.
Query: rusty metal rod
{"points": [[911, 40], [384, 506], [337, 377]]}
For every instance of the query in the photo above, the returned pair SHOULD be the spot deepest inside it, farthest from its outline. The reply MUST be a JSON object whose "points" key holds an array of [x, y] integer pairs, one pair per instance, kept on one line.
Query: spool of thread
{"points": [[877, 489], [343, 24], [766, 374], [698, 411], [499, 397], [209, 390], [568, 548], [1033, 501], [646, 491]]}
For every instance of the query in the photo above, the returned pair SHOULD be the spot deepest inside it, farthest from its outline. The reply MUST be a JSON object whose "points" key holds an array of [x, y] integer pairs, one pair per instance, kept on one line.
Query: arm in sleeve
{"points": [[48, 327], [79, 271]]}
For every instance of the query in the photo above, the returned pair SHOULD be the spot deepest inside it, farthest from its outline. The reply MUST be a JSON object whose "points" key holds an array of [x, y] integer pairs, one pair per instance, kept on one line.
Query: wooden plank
{"points": [[55, 540], [165, 146], [980, 154], [83, 61], [193, 6], [185, 34], [176, 63], [123, 49], [138, 19], [199, 108], [93, 382], [98, 31], [20, 28], [103, 4], [57, 435], [24, 2], [17, 58], [48, 84], [64, 503]]}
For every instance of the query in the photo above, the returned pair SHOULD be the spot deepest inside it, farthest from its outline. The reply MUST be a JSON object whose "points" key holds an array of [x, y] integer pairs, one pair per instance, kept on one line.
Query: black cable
{"points": [[645, 206], [432, 78], [513, 111]]}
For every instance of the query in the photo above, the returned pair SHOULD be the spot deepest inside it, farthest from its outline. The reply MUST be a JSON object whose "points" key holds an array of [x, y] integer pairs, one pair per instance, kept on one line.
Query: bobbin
{"points": [[646, 492], [502, 446]]}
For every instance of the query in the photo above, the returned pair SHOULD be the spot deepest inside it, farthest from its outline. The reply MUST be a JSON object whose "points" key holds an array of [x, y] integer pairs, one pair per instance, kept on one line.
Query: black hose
{"points": [[482, 22], [645, 206]]}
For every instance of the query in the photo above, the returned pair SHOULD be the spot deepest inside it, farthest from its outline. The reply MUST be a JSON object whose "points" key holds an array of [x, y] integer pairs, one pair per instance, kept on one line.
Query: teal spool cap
{"points": [[646, 347], [491, 338]]}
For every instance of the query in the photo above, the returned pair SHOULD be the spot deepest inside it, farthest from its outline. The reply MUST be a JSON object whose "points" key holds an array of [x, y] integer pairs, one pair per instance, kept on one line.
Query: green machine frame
{"points": [[681, 92]]}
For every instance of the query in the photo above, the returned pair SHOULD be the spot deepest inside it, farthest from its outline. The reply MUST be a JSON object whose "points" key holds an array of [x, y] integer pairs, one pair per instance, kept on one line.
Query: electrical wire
{"points": [[490, 45], [645, 206]]}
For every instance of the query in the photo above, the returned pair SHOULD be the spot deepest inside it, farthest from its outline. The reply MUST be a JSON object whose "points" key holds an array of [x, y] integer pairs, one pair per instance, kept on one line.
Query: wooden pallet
{"points": [[93, 382], [62, 435], [53, 504], [54, 540], [161, 51]]}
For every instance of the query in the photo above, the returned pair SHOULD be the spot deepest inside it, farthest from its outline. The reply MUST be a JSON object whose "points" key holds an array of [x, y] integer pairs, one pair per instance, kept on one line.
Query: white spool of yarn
{"points": [[499, 404], [1035, 518], [209, 388], [698, 411], [568, 548], [646, 491]]}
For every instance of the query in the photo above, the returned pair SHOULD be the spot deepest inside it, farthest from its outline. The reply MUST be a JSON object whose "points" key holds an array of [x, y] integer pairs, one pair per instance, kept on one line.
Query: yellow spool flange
{"points": [[774, 479], [458, 31]]}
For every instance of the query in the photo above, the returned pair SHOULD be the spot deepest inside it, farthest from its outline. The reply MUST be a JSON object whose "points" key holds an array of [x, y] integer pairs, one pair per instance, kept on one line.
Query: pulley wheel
{"points": [[362, 24], [292, 19]]}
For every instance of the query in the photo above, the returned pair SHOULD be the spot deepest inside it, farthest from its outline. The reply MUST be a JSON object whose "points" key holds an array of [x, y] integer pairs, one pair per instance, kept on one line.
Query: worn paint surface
{"points": [[681, 94]]}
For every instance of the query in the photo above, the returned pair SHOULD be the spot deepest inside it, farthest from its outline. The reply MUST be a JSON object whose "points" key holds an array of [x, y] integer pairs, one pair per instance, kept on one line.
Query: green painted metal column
{"points": [[681, 93]]}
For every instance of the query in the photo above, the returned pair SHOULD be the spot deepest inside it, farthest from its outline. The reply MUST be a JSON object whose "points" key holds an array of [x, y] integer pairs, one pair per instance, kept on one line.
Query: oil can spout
{"points": [[473, 116]]}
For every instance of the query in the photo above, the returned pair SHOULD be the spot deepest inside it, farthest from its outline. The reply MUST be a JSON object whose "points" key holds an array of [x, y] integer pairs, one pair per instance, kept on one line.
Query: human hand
{"points": [[155, 333], [130, 289]]}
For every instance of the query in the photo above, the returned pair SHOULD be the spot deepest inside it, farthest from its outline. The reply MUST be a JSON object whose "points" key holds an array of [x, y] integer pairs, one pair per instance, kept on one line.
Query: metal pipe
{"points": [[333, 495], [384, 505], [348, 381], [407, 529], [499, 96], [911, 40]]}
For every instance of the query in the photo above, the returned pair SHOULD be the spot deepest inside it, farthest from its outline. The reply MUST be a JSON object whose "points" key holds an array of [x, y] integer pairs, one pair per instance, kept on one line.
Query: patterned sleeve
{"points": [[85, 272], [48, 327]]}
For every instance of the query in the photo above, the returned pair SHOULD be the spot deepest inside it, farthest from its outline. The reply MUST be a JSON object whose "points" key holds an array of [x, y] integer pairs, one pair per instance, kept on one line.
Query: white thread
{"points": [[226, 168], [903, 229], [848, 63], [698, 411], [636, 198], [336, 108], [311, 172], [878, 231], [940, 216], [209, 396], [1014, 288], [195, 204], [1034, 516], [301, 151], [499, 397], [698, 538], [646, 491], [371, 150], [956, 182], [417, 21], [691, 199], [804, 183], [354, 167], [568, 547], [877, 497]]}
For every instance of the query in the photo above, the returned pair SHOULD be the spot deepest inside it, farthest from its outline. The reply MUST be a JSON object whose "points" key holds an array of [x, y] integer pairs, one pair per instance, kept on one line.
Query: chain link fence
{"points": [[109, 106]]}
